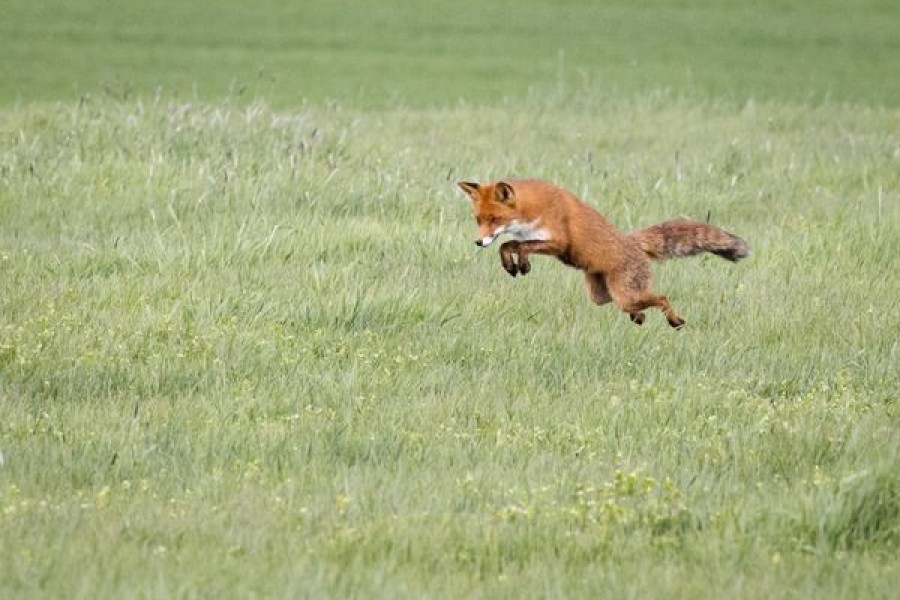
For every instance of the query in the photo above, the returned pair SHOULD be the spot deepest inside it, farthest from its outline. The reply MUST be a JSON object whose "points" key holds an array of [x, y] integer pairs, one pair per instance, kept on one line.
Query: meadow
{"points": [[248, 348]]}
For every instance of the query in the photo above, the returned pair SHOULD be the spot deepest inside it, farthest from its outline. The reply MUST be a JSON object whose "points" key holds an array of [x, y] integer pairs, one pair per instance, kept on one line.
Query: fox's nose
{"points": [[479, 242]]}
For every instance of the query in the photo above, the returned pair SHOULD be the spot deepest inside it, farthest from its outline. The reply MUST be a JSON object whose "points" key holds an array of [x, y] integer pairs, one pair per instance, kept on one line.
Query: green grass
{"points": [[248, 349], [255, 353], [432, 53]]}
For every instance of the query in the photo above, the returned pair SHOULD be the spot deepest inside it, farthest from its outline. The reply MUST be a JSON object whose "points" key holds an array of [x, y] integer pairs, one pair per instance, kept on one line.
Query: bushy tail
{"points": [[687, 238]]}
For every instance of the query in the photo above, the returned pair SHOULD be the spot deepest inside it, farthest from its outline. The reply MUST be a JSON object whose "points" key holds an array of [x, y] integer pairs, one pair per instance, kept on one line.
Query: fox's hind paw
{"points": [[677, 322]]}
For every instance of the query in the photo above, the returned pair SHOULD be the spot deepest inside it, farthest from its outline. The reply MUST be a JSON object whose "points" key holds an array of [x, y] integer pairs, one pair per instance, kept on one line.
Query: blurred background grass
{"points": [[436, 53]]}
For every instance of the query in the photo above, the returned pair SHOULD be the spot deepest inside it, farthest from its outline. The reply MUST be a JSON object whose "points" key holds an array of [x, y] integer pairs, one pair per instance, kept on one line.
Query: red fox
{"points": [[544, 219]]}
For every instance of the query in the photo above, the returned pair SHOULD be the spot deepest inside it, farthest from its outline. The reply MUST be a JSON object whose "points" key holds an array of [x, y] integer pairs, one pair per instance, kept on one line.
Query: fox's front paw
{"points": [[509, 265], [508, 257], [524, 267]]}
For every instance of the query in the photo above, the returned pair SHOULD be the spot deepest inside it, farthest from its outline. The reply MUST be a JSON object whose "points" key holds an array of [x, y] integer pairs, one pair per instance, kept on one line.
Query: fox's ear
{"points": [[469, 188], [503, 192]]}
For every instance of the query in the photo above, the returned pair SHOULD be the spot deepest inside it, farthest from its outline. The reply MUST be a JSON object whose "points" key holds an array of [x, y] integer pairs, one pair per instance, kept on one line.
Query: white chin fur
{"points": [[487, 241]]}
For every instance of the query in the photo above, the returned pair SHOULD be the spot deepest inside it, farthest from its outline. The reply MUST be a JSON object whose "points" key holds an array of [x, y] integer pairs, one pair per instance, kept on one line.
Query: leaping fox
{"points": [[544, 219]]}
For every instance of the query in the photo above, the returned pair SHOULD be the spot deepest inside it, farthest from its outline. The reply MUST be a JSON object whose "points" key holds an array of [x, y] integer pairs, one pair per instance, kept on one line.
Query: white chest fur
{"points": [[526, 232]]}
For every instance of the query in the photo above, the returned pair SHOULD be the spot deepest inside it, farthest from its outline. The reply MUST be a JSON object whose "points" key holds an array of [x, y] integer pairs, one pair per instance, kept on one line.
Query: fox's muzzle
{"points": [[485, 241]]}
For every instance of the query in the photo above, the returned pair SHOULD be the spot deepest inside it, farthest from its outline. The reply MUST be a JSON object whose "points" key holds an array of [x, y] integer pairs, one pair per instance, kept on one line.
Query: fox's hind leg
{"points": [[635, 309], [662, 303], [596, 288], [631, 292]]}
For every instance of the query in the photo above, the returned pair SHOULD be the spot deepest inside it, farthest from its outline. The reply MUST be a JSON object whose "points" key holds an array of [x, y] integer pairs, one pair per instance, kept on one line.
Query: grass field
{"points": [[434, 53], [248, 349]]}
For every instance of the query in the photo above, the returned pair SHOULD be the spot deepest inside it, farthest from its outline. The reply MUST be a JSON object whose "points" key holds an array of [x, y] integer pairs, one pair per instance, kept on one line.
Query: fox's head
{"points": [[494, 205]]}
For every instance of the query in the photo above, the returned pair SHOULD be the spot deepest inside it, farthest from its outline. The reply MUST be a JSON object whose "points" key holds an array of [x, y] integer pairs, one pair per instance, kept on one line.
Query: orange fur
{"points": [[545, 219]]}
